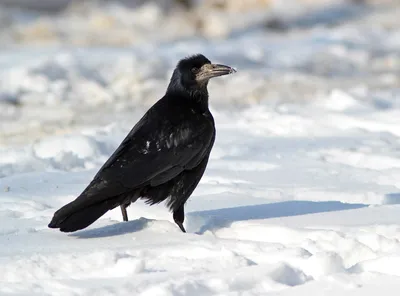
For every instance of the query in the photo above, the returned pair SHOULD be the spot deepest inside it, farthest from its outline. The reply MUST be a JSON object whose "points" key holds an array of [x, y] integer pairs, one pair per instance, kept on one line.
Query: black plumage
{"points": [[162, 158]]}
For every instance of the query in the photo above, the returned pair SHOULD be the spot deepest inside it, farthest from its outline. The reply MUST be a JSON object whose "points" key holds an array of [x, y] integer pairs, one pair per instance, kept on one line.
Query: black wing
{"points": [[154, 152]]}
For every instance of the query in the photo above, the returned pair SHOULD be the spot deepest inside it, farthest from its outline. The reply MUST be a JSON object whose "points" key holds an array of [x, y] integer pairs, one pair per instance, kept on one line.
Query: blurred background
{"points": [[65, 64]]}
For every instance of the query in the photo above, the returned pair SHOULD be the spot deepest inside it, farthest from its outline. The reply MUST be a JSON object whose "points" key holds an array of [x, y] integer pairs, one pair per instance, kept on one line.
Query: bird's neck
{"points": [[200, 98], [197, 97]]}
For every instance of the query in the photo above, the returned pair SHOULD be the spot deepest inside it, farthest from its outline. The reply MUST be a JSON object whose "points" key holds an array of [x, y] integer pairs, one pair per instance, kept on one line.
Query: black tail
{"points": [[78, 215]]}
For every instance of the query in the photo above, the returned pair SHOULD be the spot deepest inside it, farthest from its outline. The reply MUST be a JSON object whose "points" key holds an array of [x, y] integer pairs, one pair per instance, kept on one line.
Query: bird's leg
{"points": [[179, 217], [131, 198], [124, 213]]}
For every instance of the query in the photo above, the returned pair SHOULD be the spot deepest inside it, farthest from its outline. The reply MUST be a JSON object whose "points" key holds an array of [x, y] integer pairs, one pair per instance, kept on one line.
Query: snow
{"points": [[302, 192]]}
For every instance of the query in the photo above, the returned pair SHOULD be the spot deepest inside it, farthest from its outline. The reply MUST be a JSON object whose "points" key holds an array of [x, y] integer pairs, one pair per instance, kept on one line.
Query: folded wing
{"points": [[152, 153]]}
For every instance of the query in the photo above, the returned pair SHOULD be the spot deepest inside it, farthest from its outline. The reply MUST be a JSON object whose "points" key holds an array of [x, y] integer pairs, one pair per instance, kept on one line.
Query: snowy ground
{"points": [[301, 195]]}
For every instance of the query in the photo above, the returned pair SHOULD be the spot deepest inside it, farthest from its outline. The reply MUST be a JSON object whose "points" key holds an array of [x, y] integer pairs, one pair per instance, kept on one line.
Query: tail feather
{"points": [[76, 215]]}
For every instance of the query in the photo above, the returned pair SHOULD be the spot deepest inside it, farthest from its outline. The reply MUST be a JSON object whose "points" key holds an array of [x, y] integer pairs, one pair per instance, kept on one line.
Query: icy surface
{"points": [[301, 195]]}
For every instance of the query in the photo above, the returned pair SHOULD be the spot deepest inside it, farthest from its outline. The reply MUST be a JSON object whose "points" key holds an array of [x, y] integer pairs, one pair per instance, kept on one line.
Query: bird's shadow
{"points": [[392, 198], [114, 230], [202, 221]]}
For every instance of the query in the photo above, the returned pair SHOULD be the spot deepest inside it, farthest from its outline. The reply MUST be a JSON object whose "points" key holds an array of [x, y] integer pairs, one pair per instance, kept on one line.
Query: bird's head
{"points": [[193, 73]]}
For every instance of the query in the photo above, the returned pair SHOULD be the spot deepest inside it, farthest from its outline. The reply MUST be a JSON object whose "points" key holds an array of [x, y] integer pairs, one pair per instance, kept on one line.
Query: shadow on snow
{"points": [[220, 218], [201, 221], [115, 229]]}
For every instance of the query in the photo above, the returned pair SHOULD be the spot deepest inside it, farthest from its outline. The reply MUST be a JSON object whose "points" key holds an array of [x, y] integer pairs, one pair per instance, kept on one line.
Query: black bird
{"points": [[162, 158]]}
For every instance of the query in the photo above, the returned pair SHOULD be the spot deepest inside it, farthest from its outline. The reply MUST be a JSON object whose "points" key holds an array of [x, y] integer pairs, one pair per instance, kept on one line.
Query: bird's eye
{"points": [[195, 70]]}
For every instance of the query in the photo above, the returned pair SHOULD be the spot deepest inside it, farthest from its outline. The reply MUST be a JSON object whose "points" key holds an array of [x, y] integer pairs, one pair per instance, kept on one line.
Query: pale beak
{"points": [[213, 70]]}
